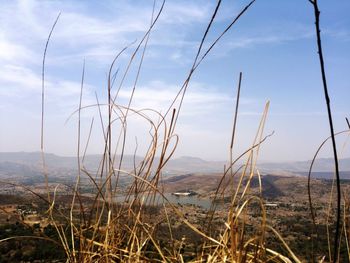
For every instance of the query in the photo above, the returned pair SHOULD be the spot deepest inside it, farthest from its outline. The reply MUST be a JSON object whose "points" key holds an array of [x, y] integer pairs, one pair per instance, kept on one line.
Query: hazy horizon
{"points": [[176, 157], [273, 44]]}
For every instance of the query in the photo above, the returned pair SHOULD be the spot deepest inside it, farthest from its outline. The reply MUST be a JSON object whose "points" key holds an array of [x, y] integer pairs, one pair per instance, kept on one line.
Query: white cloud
{"points": [[14, 51], [81, 33], [19, 84], [18, 81], [340, 34], [199, 98], [272, 38], [186, 12]]}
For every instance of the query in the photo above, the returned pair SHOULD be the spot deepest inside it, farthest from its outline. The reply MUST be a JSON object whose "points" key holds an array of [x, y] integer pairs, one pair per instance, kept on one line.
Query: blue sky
{"points": [[273, 44]]}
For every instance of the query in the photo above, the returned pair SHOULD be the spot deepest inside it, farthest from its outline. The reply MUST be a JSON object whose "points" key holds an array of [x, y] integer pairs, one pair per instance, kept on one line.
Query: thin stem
{"points": [[324, 81], [43, 108], [235, 121], [312, 212]]}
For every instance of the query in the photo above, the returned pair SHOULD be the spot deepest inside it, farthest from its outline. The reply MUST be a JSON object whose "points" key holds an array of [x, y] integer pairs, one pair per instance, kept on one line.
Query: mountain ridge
{"points": [[183, 164]]}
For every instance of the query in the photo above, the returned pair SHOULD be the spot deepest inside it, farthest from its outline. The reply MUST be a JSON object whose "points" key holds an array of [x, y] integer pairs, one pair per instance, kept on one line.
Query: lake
{"points": [[178, 200]]}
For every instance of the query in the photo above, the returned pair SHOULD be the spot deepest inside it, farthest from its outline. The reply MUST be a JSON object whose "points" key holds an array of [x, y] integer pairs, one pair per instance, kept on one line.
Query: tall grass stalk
{"points": [[330, 119]]}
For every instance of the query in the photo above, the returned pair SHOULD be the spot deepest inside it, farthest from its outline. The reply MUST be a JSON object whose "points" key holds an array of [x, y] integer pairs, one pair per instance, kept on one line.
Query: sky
{"points": [[273, 44]]}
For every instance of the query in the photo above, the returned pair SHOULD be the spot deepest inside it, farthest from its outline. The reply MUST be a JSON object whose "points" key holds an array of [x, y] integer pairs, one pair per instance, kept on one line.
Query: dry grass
{"points": [[104, 230]]}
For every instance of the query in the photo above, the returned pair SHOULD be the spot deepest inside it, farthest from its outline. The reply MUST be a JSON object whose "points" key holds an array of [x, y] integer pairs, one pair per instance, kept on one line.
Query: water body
{"points": [[205, 203]]}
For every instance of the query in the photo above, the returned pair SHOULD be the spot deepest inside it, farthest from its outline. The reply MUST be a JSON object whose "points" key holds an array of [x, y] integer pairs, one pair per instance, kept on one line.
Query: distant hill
{"points": [[29, 163], [328, 175], [92, 162], [322, 165]]}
